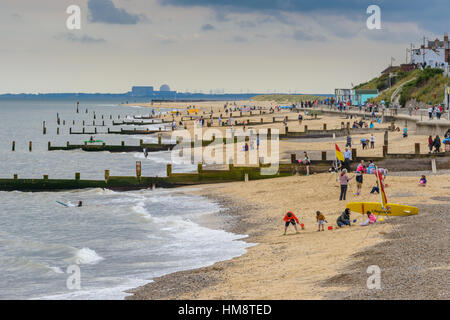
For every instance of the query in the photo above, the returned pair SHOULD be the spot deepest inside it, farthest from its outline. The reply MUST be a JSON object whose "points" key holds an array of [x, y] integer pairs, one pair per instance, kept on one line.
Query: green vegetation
{"points": [[287, 98], [428, 83], [422, 86]]}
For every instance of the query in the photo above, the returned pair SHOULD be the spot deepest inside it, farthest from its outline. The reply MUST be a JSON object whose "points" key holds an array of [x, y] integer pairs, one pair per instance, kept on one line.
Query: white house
{"points": [[432, 57], [435, 54]]}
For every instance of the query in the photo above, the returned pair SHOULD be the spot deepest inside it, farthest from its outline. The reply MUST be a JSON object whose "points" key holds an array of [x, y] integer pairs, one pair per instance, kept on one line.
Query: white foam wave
{"points": [[87, 256]]}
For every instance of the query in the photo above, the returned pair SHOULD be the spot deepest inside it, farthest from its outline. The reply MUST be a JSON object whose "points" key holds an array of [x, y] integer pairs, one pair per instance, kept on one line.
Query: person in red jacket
{"points": [[290, 218]]}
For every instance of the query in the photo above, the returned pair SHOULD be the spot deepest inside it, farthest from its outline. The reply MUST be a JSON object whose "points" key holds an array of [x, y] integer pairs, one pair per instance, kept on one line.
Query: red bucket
{"points": [[330, 228]]}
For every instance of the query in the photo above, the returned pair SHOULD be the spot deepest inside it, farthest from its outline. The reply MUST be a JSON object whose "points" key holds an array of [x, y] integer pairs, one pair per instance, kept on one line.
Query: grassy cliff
{"points": [[420, 85]]}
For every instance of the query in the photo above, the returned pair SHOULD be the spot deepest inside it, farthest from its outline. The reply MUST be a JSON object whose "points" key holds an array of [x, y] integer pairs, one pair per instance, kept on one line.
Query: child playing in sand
{"points": [[423, 181], [371, 219], [320, 220], [290, 218]]}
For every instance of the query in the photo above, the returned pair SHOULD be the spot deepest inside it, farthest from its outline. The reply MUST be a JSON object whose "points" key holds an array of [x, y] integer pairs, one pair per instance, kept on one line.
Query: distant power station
{"points": [[149, 92]]}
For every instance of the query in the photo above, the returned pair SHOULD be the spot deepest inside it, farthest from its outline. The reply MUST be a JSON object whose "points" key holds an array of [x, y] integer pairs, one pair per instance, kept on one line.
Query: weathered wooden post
{"points": [[16, 176], [123, 143], [273, 119], [57, 130], [70, 130], [77, 176], [417, 148], [67, 144], [49, 146], [141, 142], [83, 123], [385, 151], [106, 175], [73, 122], [386, 138], [324, 156], [199, 167], [293, 158], [13, 146], [286, 131], [169, 169], [45, 177], [95, 130], [83, 129], [324, 127], [306, 129], [269, 133], [44, 129], [159, 139], [30, 146], [353, 154]]}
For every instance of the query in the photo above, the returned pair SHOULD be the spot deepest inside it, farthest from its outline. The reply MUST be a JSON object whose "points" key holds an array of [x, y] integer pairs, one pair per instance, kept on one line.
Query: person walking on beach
{"points": [[343, 181], [320, 218], [290, 218], [437, 144], [347, 159], [344, 218], [359, 181], [349, 141], [307, 162], [430, 143]]}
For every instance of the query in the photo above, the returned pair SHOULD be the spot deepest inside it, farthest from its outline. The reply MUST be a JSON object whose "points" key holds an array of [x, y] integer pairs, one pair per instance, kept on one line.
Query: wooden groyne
{"points": [[121, 131], [138, 123], [139, 182], [150, 147]]}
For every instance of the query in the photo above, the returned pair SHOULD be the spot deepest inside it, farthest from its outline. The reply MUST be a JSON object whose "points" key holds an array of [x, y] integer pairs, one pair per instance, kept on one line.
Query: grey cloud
{"points": [[207, 27], [239, 39], [305, 36], [105, 11], [431, 15], [246, 24], [81, 39]]}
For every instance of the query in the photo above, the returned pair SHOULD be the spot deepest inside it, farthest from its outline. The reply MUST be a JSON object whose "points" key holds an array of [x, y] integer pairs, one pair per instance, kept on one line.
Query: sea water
{"points": [[117, 240]]}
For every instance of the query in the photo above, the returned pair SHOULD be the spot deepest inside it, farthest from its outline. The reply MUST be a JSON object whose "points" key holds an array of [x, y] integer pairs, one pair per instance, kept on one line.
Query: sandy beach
{"points": [[303, 266], [310, 265]]}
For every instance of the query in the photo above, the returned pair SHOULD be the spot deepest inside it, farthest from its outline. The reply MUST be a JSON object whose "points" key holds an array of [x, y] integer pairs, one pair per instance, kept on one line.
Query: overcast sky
{"points": [[261, 46]]}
